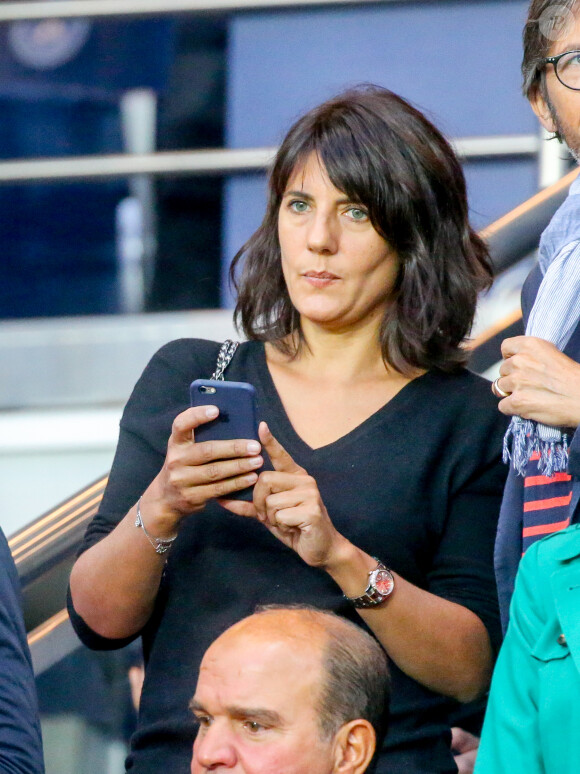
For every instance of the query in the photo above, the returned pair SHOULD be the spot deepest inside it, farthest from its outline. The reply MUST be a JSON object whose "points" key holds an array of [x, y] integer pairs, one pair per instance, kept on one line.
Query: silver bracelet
{"points": [[161, 545]]}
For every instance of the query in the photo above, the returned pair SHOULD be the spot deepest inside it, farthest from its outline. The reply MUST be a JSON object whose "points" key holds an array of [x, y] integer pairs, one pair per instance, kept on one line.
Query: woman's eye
{"points": [[297, 205], [356, 213]]}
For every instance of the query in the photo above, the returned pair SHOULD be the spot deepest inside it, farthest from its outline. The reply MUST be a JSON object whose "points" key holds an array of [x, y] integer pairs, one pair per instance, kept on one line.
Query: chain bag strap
{"points": [[224, 358]]}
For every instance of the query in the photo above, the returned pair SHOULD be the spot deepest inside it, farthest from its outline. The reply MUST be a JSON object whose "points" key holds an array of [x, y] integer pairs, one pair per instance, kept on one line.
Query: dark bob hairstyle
{"points": [[385, 155]]}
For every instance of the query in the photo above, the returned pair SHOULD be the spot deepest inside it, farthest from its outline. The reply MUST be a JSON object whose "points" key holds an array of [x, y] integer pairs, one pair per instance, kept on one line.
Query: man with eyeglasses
{"points": [[539, 382], [533, 713], [551, 69]]}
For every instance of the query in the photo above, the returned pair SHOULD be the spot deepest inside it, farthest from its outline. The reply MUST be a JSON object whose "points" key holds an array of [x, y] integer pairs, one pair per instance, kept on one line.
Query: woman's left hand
{"points": [[287, 501], [439, 643]]}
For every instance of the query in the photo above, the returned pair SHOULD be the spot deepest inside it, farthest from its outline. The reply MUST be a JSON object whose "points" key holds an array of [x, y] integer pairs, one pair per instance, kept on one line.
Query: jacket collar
{"points": [[570, 547]]}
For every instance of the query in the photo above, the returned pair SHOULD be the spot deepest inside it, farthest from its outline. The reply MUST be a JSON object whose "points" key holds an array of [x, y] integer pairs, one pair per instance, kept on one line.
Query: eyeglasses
{"points": [[567, 68]]}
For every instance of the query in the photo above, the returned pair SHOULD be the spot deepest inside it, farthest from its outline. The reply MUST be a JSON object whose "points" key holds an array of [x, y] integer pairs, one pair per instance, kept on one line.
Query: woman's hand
{"points": [[114, 584], [194, 473], [287, 501], [543, 383]]}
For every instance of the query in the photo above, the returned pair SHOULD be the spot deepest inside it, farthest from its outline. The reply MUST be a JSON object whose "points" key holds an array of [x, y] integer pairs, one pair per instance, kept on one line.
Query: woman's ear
{"points": [[543, 110], [354, 747]]}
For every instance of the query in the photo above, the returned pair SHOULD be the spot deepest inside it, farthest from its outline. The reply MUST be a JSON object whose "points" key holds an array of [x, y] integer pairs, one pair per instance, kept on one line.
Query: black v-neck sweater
{"points": [[418, 484]]}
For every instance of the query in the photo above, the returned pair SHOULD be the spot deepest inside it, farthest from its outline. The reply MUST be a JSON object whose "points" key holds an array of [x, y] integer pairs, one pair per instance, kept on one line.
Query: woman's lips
{"points": [[320, 279]]}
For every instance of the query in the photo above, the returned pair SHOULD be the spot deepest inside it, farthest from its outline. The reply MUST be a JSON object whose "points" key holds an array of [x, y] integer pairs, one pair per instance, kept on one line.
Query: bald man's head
{"points": [[290, 684]]}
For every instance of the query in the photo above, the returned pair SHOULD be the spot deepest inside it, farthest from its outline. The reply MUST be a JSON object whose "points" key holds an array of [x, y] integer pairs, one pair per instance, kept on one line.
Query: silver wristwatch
{"points": [[381, 585]]}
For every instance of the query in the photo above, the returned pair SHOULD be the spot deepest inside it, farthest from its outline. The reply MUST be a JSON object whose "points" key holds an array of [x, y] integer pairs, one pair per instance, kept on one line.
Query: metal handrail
{"points": [[216, 162], [43, 552], [62, 9], [52, 641], [485, 349], [516, 234], [202, 162], [54, 534]]}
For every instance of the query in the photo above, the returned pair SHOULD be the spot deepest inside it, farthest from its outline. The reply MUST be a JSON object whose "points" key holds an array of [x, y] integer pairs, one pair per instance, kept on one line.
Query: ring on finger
{"points": [[497, 390]]}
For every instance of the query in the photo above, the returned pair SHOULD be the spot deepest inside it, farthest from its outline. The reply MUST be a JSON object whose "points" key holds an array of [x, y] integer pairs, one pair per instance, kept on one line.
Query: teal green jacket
{"points": [[532, 723]]}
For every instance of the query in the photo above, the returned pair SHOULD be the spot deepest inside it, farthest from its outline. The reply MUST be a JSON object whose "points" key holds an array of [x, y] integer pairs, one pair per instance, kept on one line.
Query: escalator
{"points": [[45, 549]]}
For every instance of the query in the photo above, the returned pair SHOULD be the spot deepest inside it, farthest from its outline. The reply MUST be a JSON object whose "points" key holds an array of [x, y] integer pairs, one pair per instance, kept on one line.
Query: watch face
{"points": [[383, 582]]}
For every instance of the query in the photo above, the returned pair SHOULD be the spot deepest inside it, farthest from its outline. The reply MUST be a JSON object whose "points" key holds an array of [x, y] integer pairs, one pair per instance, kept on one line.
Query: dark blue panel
{"points": [[60, 83], [244, 204], [495, 187], [57, 128], [81, 59], [460, 61]]}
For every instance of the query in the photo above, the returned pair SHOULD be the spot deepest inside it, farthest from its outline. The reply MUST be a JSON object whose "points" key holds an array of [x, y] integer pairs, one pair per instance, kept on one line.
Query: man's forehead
{"points": [[246, 660], [277, 629], [249, 652]]}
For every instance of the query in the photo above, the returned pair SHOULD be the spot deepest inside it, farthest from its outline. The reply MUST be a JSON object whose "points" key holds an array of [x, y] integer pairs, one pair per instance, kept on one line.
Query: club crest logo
{"points": [[49, 43]]}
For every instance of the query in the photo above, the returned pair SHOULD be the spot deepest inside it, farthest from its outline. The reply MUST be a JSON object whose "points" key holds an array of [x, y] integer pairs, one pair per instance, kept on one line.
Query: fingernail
{"points": [[211, 412], [255, 462], [251, 478], [253, 447]]}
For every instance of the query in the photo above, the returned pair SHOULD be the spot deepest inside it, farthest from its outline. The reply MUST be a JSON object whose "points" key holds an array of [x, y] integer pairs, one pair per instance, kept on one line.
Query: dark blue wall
{"points": [[457, 61]]}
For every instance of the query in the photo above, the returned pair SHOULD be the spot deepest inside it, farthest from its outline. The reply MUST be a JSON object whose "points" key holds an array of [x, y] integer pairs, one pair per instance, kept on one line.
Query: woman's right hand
{"points": [[194, 473], [114, 584]]}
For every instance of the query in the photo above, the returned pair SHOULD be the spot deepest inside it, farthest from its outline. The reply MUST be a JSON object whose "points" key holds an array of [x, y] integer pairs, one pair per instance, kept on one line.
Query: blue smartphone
{"points": [[236, 402]]}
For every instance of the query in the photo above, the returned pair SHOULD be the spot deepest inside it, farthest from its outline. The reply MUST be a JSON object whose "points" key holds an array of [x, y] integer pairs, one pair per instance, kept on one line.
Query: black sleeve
{"points": [[462, 569], [161, 393], [20, 740]]}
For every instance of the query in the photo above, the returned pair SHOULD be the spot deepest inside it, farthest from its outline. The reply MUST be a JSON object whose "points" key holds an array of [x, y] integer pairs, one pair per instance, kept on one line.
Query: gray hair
{"points": [[356, 682]]}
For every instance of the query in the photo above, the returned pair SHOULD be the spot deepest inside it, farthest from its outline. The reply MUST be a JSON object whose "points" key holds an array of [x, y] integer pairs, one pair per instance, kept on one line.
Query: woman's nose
{"points": [[213, 748], [323, 233]]}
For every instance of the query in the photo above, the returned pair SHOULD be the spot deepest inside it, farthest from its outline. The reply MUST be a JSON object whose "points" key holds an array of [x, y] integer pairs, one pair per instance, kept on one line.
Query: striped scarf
{"points": [[537, 451]]}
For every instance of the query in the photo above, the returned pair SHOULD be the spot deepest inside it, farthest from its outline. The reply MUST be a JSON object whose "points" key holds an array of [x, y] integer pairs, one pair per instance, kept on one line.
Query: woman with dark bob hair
{"points": [[383, 479], [384, 154]]}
